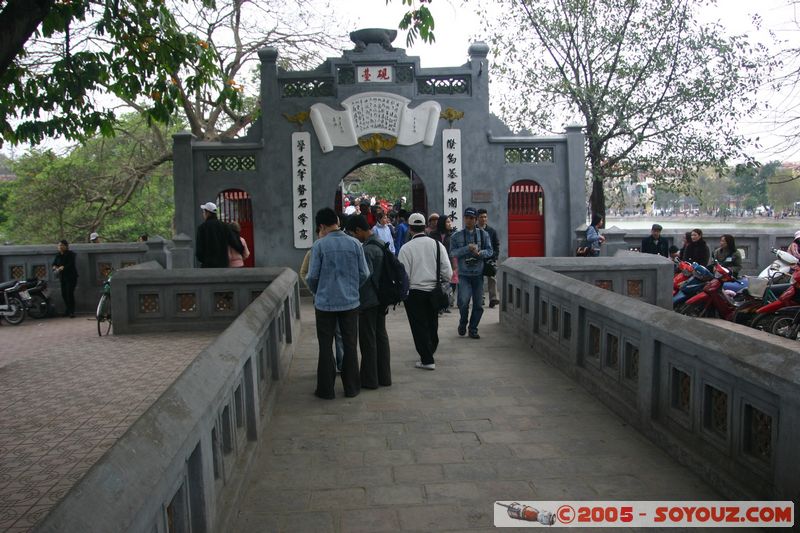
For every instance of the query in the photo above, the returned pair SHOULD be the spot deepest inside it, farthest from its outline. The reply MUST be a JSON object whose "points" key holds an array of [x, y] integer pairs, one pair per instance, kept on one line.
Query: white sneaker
{"points": [[431, 366]]}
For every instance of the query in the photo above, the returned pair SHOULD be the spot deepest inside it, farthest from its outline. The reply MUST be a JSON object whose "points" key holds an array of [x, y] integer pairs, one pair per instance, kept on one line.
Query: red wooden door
{"points": [[526, 220], [234, 205]]}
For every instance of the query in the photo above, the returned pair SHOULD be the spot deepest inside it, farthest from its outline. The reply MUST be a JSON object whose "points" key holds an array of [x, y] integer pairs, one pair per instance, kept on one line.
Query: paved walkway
{"points": [[66, 395], [436, 449]]}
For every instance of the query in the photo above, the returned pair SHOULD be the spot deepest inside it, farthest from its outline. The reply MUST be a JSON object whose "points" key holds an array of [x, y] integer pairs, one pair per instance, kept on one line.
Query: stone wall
{"points": [[178, 466], [725, 401], [93, 262]]}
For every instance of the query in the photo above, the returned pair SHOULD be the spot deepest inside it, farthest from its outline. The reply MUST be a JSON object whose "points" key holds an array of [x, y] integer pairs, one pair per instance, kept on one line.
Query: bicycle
{"points": [[104, 308]]}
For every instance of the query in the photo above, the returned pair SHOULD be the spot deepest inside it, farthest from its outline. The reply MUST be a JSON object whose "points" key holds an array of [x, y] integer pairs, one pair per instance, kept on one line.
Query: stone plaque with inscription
{"points": [[481, 197]]}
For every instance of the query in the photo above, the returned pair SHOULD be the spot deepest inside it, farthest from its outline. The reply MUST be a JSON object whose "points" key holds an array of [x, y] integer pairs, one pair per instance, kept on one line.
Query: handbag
{"points": [[440, 298], [583, 250]]}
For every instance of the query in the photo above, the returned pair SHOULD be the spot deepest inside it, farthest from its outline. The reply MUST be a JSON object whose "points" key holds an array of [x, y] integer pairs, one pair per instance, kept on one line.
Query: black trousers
{"points": [[374, 343], [423, 317], [326, 366], [68, 295]]}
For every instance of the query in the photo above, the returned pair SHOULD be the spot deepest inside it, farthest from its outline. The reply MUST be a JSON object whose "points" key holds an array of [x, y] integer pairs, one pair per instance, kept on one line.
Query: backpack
{"points": [[393, 285]]}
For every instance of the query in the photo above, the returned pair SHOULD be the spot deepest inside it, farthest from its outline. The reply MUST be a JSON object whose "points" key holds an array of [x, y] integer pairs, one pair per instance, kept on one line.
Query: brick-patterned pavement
{"points": [[66, 395]]}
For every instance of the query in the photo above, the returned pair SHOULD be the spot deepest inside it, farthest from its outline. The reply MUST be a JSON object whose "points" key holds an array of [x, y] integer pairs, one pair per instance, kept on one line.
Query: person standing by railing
{"points": [[65, 270]]}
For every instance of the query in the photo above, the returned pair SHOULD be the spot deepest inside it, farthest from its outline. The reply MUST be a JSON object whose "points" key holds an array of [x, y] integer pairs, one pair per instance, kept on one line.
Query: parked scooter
{"points": [[700, 276], [771, 319], [12, 306], [713, 301], [684, 273], [39, 305], [780, 269]]}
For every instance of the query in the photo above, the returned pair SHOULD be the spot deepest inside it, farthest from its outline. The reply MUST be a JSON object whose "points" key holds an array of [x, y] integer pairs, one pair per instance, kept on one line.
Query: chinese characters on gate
{"points": [[301, 187], [375, 74], [451, 178]]}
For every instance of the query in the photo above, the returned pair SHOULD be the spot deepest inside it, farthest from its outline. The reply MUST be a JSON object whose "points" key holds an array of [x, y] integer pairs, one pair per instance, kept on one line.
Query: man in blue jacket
{"points": [[336, 272], [471, 246]]}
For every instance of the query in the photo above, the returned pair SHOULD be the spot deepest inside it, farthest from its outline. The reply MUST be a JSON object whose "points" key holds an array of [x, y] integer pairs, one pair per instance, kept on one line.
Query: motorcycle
{"points": [[772, 318], [684, 273], [12, 306], [781, 268], [39, 305], [713, 300], [690, 287]]}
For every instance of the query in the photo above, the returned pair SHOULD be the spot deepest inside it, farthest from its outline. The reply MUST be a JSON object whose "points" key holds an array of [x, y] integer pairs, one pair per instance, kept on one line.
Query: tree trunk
{"points": [[18, 20], [597, 201]]}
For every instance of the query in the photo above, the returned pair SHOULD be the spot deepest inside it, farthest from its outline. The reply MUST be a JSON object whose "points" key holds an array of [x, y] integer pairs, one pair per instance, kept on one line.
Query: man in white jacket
{"points": [[419, 257]]}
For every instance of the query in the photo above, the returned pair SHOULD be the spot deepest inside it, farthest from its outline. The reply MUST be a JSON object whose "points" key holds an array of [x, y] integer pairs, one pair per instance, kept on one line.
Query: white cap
{"points": [[416, 219], [211, 207], [93, 236], [797, 235]]}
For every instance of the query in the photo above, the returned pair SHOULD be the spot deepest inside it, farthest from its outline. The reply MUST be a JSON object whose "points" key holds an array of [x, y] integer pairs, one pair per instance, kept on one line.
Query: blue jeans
{"points": [[470, 287]]}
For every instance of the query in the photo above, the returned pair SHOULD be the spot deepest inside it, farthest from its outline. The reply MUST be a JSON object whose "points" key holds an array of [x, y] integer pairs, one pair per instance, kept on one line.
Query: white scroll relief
{"points": [[375, 112]]}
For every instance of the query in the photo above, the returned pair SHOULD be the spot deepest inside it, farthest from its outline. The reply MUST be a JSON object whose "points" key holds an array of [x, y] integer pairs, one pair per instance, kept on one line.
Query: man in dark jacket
{"points": [[483, 223], [654, 244], [64, 267], [372, 337], [213, 239]]}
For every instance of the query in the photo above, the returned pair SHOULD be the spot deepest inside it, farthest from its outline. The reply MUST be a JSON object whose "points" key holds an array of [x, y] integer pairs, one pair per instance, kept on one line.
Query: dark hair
{"points": [[402, 214], [65, 242], [696, 230], [326, 217], [441, 225], [596, 219], [482, 211], [730, 242], [673, 249], [357, 222], [143, 236]]}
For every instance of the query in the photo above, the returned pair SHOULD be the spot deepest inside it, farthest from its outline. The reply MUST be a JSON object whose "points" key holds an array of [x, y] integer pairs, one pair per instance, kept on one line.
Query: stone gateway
{"points": [[375, 104]]}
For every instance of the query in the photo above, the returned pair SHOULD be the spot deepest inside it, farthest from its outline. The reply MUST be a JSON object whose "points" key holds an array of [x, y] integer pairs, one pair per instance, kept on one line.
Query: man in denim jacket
{"points": [[470, 246], [337, 271]]}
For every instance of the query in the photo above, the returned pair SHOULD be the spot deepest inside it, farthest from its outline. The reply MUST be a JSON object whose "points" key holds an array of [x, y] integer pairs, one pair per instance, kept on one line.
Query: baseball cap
{"points": [[93, 236], [797, 234], [656, 227], [416, 219], [470, 212], [211, 207]]}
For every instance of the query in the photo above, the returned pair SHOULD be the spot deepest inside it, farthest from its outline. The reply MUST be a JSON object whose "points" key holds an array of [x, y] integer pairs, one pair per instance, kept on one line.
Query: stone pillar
{"points": [[156, 250], [187, 207], [480, 73], [270, 91], [615, 241], [576, 175], [181, 254]]}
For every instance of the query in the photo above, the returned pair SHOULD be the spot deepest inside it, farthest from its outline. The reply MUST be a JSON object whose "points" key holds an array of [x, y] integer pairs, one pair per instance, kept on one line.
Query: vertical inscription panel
{"points": [[451, 176], [303, 214]]}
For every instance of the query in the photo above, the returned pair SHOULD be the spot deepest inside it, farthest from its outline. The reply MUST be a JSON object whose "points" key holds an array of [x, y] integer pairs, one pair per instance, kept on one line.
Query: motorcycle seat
{"points": [[8, 284]]}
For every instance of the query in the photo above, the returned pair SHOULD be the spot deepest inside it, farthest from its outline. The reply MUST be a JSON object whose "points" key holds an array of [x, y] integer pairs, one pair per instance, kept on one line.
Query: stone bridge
{"points": [[215, 431]]}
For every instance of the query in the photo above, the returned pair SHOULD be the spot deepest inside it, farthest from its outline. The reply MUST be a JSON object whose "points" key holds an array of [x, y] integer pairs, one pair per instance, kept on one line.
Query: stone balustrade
{"points": [[179, 465], [720, 398]]}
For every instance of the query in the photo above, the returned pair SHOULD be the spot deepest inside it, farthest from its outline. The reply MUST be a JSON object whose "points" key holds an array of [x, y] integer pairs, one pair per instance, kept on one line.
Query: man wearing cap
{"points": [[336, 271], [94, 238], [419, 257], [213, 239], [433, 220], [471, 246], [654, 244]]}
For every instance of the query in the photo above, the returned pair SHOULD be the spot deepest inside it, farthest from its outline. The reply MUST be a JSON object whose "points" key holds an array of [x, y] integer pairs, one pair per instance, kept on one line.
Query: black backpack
{"points": [[393, 285]]}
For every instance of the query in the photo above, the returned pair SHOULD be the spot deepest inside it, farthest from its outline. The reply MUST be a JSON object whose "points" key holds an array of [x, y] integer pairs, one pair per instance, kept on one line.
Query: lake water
{"points": [[680, 223]]}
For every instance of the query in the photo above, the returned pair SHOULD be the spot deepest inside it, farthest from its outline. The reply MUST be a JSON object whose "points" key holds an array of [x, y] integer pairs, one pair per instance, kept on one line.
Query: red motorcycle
{"points": [[684, 273], [712, 300], [775, 317]]}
